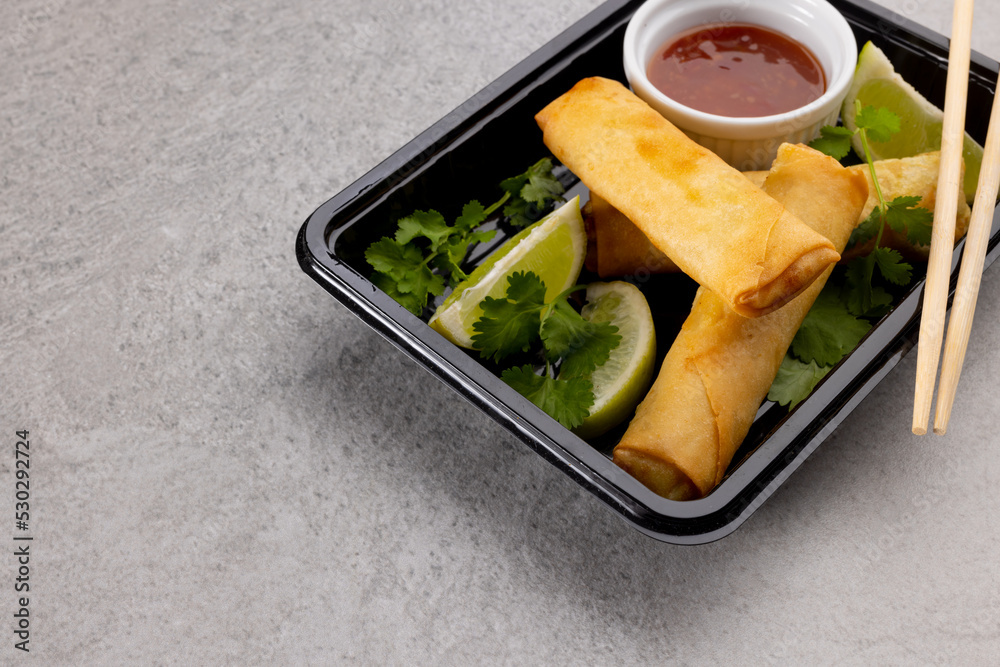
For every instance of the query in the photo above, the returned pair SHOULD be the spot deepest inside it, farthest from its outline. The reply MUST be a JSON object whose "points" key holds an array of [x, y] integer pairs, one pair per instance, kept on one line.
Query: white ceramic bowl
{"points": [[745, 143]]}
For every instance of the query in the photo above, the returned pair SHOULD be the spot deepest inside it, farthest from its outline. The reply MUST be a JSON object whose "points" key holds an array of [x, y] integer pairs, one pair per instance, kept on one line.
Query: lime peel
{"points": [[876, 83], [621, 382]]}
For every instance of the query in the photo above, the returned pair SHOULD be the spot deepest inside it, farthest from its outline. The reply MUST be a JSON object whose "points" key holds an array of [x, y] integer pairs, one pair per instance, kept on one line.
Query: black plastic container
{"points": [[492, 136]]}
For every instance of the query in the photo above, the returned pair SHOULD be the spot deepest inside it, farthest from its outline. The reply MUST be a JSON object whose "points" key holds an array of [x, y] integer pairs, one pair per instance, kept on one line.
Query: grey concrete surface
{"points": [[227, 467]]}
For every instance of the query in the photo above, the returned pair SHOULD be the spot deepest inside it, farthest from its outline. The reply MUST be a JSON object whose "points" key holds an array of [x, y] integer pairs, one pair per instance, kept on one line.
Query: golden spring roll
{"points": [[618, 248], [910, 176], [703, 214], [721, 365]]}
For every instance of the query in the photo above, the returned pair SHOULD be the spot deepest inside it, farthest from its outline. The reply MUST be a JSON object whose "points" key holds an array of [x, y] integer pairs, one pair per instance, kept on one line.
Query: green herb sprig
{"points": [[426, 253], [523, 320], [846, 308]]}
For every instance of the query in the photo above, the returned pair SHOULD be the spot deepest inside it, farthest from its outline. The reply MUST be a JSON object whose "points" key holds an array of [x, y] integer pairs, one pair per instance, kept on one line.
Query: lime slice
{"points": [[877, 84], [553, 249], [622, 381]]}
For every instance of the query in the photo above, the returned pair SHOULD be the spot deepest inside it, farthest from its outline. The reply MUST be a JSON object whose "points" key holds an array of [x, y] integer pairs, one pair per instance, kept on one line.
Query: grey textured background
{"points": [[229, 467]]}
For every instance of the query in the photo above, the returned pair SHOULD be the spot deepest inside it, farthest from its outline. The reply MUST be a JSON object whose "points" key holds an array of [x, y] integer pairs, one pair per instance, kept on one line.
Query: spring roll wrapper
{"points": [[714, 224], [721, 365], [619, 248]]}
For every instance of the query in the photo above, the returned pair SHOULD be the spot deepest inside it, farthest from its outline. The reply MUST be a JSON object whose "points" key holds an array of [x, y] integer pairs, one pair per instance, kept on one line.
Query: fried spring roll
{"points": [[716, 226], [721, 365], [619, 248]]}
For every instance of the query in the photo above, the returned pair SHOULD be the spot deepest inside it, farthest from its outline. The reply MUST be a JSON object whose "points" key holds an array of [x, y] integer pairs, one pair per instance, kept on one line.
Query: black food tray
{"points": [[493, 135]]}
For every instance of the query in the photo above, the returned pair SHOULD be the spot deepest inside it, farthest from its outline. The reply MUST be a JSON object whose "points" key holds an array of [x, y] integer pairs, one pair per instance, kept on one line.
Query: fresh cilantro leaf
{"points": [[829, 331], [566, 401], [859, 284], [881, 303], [449, 258], [421, 282], [505, 328], [896, 212], [862, 298], [595, 350], [867, 230], [540, 179], [410, 301], [583, 345], [563, 330], [402, 274], [510, 324], [513, 185], [519, 320], [795, 381], [833, 141], [473, 215], [525, 286], [401, 269], [904, 216], [531, 193], [541, 188], [482, 236], [393, 259], [521, 213], [878, 122], [427, 224], [891, 265]]}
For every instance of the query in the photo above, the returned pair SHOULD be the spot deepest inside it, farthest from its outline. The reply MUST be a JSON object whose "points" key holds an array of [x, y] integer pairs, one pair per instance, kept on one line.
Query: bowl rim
{"points": [[832, 27]]}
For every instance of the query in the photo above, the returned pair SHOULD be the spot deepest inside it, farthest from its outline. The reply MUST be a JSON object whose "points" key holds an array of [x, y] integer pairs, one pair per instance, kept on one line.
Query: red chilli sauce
{"points": [[737, 70]]}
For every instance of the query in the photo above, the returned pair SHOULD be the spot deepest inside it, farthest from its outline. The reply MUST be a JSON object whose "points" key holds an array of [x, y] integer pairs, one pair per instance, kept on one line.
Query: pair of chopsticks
{"points": [[943, 238]]}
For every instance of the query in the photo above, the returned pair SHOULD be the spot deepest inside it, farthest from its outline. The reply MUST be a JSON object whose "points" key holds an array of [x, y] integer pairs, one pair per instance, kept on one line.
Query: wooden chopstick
{"points": [[971, 274], [949, 186]]}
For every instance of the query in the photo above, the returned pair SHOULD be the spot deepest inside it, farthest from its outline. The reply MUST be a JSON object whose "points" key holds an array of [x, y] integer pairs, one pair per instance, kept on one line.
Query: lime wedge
{"points": [[877, 84], [553, 249], [622, 381]]}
